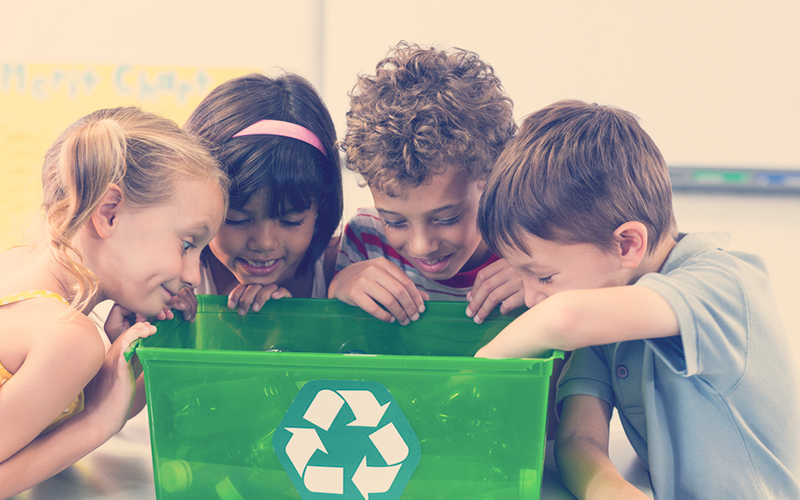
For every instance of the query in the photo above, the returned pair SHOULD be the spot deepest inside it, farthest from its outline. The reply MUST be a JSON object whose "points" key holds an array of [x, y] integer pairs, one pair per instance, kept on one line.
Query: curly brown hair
{"points": [[424, 110]]}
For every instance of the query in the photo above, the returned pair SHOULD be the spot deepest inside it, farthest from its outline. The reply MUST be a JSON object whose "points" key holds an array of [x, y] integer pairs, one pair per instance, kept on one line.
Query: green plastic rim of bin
{"points": [[457, 334], [228, 379]]}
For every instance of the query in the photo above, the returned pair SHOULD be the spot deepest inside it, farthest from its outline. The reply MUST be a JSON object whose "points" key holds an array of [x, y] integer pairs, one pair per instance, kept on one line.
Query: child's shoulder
{"points": [[709, 252], [365, 220], [47, 330], [75, 336], [701, 266]]}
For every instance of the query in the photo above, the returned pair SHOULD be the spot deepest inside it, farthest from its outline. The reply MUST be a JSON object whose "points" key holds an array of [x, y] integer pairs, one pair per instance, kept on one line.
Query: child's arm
{"points": [[581, 451], [26, 462], [373, 283], [579, 318], [497, 283]]}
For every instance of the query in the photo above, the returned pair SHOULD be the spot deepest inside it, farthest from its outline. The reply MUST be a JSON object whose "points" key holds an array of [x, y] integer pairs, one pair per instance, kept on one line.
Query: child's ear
{"points": [[632, 240], [104, 217]]}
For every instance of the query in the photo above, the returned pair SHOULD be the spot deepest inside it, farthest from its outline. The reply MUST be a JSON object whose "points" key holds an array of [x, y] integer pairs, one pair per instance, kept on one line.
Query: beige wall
{"points": [[715, 83]]}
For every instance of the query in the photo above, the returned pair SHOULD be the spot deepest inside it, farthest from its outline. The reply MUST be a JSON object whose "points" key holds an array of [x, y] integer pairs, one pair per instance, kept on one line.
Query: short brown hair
{"points": [[423, 110], [574, 174]]}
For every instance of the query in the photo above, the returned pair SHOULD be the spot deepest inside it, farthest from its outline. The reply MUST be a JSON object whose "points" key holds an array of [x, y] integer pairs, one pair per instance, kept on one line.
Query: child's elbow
{"points": [[563, 321]]}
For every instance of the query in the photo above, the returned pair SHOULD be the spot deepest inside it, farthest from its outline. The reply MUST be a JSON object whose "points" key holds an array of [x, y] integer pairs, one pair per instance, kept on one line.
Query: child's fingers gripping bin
{"points": [[315, 399]]}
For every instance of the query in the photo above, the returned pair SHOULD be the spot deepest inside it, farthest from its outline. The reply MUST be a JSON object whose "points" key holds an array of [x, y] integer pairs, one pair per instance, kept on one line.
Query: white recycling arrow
{"points": [[323, 409], [374, 479], [367, 410], [324, 479], [390, 444], [301, 446]]}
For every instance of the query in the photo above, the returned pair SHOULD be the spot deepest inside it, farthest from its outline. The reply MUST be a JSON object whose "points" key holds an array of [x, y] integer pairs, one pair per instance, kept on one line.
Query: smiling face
{"points": [[155, 251], [433, 226], [549, 267], [258, 249]]}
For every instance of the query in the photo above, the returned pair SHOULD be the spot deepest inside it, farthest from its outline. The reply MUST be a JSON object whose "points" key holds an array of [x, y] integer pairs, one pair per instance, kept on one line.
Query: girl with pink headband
{"points": [[275, 139]]}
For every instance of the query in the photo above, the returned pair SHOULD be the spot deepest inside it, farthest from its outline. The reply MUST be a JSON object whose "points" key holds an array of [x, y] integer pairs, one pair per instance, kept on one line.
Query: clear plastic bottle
{"points": [[181, 479], [184, 479], [236, 406]]}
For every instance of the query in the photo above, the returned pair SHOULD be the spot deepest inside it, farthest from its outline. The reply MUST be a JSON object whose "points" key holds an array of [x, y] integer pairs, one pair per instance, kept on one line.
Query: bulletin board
{"points": [[38, 101]]}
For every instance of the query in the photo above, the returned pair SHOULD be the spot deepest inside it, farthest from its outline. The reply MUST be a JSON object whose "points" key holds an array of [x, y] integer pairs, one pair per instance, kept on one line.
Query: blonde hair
{"points": [[144, 154]]}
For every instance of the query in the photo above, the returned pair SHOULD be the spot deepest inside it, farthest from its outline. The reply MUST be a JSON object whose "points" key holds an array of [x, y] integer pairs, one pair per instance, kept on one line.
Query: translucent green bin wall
{"points": [[219, 388]]}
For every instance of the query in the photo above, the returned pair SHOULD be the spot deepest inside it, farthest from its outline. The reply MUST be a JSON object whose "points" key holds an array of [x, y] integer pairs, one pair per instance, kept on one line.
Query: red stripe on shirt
{"points": [[351, 235], [388, 250], [467, 279]]}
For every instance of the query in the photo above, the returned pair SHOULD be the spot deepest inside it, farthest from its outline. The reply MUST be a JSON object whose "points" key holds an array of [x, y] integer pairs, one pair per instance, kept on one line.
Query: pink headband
{"points": [[284, 129]]}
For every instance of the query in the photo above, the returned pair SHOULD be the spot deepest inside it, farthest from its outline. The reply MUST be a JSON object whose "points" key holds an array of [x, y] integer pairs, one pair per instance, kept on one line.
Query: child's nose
{"points": [[533, 296], [262, 239], [190, 275], [421, 243]]}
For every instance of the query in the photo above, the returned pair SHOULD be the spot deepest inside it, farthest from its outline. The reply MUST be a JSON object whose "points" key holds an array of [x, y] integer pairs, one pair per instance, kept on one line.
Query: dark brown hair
{"points": [[294, 173]]}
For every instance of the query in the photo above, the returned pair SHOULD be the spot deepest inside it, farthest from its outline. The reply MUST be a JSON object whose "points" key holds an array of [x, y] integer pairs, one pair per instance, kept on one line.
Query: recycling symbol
{"points": [[346, 439]]}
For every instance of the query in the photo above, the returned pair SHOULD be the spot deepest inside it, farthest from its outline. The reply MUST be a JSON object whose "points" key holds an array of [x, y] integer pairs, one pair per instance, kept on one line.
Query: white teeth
{"points": [[260, 263], [431, 262]]}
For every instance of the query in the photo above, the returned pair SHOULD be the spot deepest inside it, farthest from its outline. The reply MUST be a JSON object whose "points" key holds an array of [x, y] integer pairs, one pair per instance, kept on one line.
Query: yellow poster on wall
{"points": [[38, 101]]}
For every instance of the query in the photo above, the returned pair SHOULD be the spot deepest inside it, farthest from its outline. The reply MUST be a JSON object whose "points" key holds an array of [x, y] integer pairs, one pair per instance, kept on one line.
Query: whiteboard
{"points": [[715, 83]]}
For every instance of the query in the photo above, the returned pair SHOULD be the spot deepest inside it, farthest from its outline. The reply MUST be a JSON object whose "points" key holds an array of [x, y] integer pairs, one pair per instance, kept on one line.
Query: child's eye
{"points": [[448, 222], [235, 222], [292, 223], [545, 281], [186, 246], [394, 225]]}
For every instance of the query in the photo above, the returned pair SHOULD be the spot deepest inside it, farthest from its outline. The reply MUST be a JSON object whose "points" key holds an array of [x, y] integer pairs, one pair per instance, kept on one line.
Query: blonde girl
{"points": [[129, 201]]}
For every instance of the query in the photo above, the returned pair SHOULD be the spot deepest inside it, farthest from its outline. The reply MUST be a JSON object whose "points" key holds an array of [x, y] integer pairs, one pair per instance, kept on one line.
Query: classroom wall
{"points": [[715, 83]]}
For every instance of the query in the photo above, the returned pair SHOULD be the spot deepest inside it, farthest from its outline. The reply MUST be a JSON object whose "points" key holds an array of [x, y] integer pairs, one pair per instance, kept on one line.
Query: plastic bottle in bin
{"points": [[230, 406], [221, 449], [452, 477], [255, 484], [252, 449], [469, 414], [201, 480], [191, 478]]}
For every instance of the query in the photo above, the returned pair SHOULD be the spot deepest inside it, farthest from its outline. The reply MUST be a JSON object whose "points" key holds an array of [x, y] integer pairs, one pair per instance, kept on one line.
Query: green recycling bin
{"points": [[312, 399]]}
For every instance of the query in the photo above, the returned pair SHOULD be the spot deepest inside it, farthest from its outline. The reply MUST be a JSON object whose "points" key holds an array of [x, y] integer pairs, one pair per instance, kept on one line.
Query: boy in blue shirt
{"points": [[680, 335]]}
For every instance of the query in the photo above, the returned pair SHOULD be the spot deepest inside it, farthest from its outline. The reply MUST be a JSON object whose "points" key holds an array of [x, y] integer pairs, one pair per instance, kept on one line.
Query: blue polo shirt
{"points": [[715, 411]]}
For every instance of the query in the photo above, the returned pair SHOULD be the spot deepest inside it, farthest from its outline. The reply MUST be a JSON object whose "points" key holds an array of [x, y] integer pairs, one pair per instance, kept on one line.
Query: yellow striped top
{"points": [[76, 405]]}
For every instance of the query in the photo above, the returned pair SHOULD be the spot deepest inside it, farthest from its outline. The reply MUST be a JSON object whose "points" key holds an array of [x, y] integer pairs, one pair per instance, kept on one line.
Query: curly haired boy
{"points": [[424, 133]]}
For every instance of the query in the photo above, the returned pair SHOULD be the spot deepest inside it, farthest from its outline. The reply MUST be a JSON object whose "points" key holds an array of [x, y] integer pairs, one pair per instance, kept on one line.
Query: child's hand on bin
{"points": [[253, 296], [497, 283], [373, 283]]}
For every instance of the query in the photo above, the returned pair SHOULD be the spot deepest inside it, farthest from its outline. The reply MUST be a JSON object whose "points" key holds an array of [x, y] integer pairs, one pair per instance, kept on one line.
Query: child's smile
{"points": [[433, 265], [258, 267], [262, 250], [433, 225], [155, 250]]}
